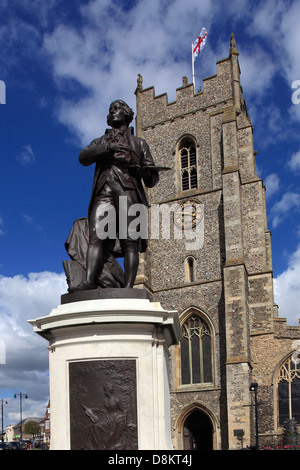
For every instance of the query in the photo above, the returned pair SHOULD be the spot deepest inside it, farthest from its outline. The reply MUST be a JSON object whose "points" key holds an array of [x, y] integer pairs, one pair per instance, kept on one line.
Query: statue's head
{"points": [[108, 389], [119, 113]]}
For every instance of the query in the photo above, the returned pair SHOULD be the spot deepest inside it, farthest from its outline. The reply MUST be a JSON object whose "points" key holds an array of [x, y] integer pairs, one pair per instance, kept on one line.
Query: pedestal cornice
{"points": [[110, 311]]}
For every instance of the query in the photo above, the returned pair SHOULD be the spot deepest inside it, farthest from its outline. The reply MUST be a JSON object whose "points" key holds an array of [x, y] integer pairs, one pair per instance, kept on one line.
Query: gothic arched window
{"points": [[188, 163], [289, 390], [196, 351]]}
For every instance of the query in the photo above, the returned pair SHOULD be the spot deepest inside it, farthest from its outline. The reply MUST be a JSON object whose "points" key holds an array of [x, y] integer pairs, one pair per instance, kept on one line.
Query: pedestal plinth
{"points": [[109, 377]]}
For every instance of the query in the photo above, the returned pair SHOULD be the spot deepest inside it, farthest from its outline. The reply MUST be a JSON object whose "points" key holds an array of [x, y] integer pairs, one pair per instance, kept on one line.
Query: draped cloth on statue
{"points": [[76, 245]]}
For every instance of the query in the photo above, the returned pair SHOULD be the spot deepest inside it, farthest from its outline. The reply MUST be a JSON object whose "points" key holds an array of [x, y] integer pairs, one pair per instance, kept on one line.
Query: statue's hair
{"points": [[128, 112]]}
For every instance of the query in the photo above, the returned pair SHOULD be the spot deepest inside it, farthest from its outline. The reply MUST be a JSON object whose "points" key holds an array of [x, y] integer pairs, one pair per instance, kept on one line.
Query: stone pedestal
{"points": [[109, 377]]}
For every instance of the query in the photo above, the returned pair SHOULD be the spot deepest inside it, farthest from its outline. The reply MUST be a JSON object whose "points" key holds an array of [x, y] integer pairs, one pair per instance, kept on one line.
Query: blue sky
{"points": [[63, 63]]}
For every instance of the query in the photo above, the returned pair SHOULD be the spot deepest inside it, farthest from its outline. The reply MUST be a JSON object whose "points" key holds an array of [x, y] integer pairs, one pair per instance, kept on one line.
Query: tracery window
{"points": [[196, 351], [289, 390], [188, 163]]}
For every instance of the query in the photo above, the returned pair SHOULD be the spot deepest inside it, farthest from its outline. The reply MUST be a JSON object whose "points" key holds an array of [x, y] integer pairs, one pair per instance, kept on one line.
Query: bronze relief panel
{"points": [[103, 405]]}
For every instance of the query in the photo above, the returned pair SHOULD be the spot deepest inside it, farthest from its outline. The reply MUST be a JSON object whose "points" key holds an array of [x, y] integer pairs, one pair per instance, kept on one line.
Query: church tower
{"points": [[215, 266]]}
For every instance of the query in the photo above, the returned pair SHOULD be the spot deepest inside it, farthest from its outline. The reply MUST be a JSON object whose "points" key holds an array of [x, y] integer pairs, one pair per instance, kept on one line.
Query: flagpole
{"points": [[193, 66]]}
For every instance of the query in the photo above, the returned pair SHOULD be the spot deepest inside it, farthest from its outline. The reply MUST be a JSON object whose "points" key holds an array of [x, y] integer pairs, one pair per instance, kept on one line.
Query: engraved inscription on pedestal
{"points": [[103, 405]]}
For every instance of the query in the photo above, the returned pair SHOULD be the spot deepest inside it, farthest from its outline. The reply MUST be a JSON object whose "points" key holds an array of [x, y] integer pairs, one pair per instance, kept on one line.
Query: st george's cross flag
{"points": [[199, 43]]}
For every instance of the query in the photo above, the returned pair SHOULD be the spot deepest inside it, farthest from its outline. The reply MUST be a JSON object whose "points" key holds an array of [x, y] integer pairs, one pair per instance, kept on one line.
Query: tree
{"points": [[32, 427]]}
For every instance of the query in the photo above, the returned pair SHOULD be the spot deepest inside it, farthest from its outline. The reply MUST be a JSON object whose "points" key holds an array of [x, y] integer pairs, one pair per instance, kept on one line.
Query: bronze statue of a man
{"points": [[123, 163]]}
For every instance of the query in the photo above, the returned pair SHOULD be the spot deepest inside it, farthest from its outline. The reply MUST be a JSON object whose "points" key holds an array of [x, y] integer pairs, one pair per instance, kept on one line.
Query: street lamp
{"points": [[21, 397], [2, 402], [253, 388]]}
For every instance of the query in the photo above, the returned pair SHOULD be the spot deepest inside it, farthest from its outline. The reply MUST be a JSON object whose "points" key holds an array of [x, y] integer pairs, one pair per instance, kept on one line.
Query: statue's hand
{"points": [[142, 172], [146, 173], [112, 148], [136, 170]]}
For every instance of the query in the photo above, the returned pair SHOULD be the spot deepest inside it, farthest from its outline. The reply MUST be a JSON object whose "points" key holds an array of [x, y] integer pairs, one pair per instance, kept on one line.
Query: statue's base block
{"points": [[107, 293], [109, 379]]}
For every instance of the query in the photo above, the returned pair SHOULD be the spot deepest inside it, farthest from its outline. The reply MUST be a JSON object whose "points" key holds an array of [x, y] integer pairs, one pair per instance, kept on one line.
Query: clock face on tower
{"points": [[189, 215]]}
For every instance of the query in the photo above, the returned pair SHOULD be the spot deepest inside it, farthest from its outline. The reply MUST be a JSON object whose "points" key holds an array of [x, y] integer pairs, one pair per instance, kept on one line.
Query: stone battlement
{"points": [[217, 91]]}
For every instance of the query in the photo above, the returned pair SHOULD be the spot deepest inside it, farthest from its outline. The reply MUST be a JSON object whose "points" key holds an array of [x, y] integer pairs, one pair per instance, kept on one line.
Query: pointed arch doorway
{"points": [[198, 432]]}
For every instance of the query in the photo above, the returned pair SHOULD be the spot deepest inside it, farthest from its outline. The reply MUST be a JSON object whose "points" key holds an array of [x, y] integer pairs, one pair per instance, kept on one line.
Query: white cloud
{"points": [[266, 19], [294, 162], [290, 41], [30, 220], [283, 208], [294, 112], [22, 298], [112, 47], [277, 23], [257, 71], [287, 288], [272, 183], [31, 408], [26, 356], [26, 156]]}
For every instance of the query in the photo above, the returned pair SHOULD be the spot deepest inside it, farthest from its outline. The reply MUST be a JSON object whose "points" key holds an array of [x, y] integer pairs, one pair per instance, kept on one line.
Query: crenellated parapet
{"points": [[222, 90], [153, 110]]}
